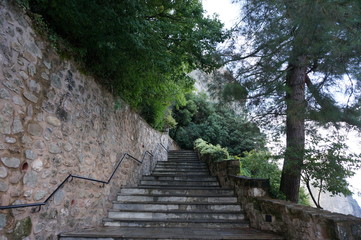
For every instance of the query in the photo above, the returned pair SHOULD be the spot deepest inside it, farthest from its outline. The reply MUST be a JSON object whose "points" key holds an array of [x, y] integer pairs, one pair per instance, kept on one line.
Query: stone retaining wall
{"points": [[293, 221], [56, 121]]}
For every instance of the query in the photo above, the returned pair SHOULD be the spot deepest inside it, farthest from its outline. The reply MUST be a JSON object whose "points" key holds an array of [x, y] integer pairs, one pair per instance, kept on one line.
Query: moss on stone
{"points": [[22, 229]]}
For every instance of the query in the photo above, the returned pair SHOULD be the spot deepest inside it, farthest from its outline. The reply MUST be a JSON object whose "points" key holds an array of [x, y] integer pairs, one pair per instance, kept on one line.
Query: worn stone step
{"points": [[175, 233], [184, 166], [177, 192], [178, 183], [157, 199], [180, 173], [210, 223], [179, 168], [181, 178], [184, 159], [179, 187], [176, 206], [162, 215], [191, 163]]}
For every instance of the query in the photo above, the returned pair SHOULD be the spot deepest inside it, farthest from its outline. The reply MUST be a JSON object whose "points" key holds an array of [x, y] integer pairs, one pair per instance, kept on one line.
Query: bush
{"points": [[211, 152]]}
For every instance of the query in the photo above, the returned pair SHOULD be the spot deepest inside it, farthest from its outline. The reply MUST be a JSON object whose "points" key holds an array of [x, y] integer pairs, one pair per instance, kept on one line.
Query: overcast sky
{"points": [[228, 13]]}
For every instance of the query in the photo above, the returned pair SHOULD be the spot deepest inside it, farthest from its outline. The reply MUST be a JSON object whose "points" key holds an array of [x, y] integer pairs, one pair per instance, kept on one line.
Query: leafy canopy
{"points": [[216, 124], [140, 49]]}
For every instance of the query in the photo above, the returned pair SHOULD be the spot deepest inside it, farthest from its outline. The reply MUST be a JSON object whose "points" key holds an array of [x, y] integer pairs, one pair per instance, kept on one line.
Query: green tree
{"points": [[139, 49], [216, 124], [287, 46], [327, 165]]}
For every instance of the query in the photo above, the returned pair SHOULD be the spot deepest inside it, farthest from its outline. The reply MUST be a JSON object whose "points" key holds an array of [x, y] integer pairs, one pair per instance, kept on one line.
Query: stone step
{"points": [[183, 158], [176, 206], [210, 223], [179, 187], [181, 178], [180, 173], [178, 183], [176, 233], [176, 171], [165, 215], [177, 192], [191, 163], [185, 199], [184, 166], [181, 167]]}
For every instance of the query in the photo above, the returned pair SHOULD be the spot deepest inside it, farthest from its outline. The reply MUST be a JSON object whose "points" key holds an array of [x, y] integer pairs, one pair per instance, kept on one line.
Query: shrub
{"points": [[211, 152]]}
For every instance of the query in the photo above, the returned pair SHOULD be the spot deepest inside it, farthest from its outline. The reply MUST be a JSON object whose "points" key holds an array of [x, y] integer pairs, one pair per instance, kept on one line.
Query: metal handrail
{"points": [[71, 176]]}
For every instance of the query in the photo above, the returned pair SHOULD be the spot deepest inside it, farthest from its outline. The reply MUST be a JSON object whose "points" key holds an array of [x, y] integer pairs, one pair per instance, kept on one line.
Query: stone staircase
{"points": [[180, 200]]}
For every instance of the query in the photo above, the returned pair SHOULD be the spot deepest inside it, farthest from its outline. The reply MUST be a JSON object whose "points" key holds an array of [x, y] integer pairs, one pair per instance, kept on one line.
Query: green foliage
{"points": [[141, 50], [211, 152], [261, 164], [258, 164], [288, 44], [216, 124], [328, 165]]}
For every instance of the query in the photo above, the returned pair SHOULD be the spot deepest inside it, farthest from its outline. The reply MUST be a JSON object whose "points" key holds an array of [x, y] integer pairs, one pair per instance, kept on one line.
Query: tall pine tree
{"points": [[295, 54]]}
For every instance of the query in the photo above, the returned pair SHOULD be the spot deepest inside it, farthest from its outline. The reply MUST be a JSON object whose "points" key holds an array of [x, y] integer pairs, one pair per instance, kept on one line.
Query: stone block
{"points": [[11, 162], [3, 172], [35, 129], [31, 97], [53, 121], [30, 179]]}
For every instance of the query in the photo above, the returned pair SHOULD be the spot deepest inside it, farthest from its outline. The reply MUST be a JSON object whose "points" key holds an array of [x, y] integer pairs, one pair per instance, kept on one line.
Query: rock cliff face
{"points": [[56, 121], [340, 204]]}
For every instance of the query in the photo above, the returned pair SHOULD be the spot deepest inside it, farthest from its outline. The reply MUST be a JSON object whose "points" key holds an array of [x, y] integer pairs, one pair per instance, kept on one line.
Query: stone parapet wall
{"points": [[293, 221], [56, 121]]}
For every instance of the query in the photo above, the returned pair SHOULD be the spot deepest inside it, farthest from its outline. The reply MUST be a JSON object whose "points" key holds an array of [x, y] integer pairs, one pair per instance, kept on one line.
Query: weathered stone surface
{"points": [[34, 86], [67, 147], [18, 100], [32, 70], [30, 179], [40, 195], [37, 165], [29, 154], [31, 97], [10, 140], [3, 186], [23, 75], [3, 172], [35, 129], [53, 121], [59, 197], [22, 229], [55, 81], [47, 64], [6, 118], [4, 94], [45, 75], [54, 148], [15, 177], [17, 125], [39, 145], [11, 162], [2, 221]]}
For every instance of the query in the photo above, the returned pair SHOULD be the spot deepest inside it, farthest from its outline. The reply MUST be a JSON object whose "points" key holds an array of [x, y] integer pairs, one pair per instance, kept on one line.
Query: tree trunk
{"points": [[295, 129]]}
